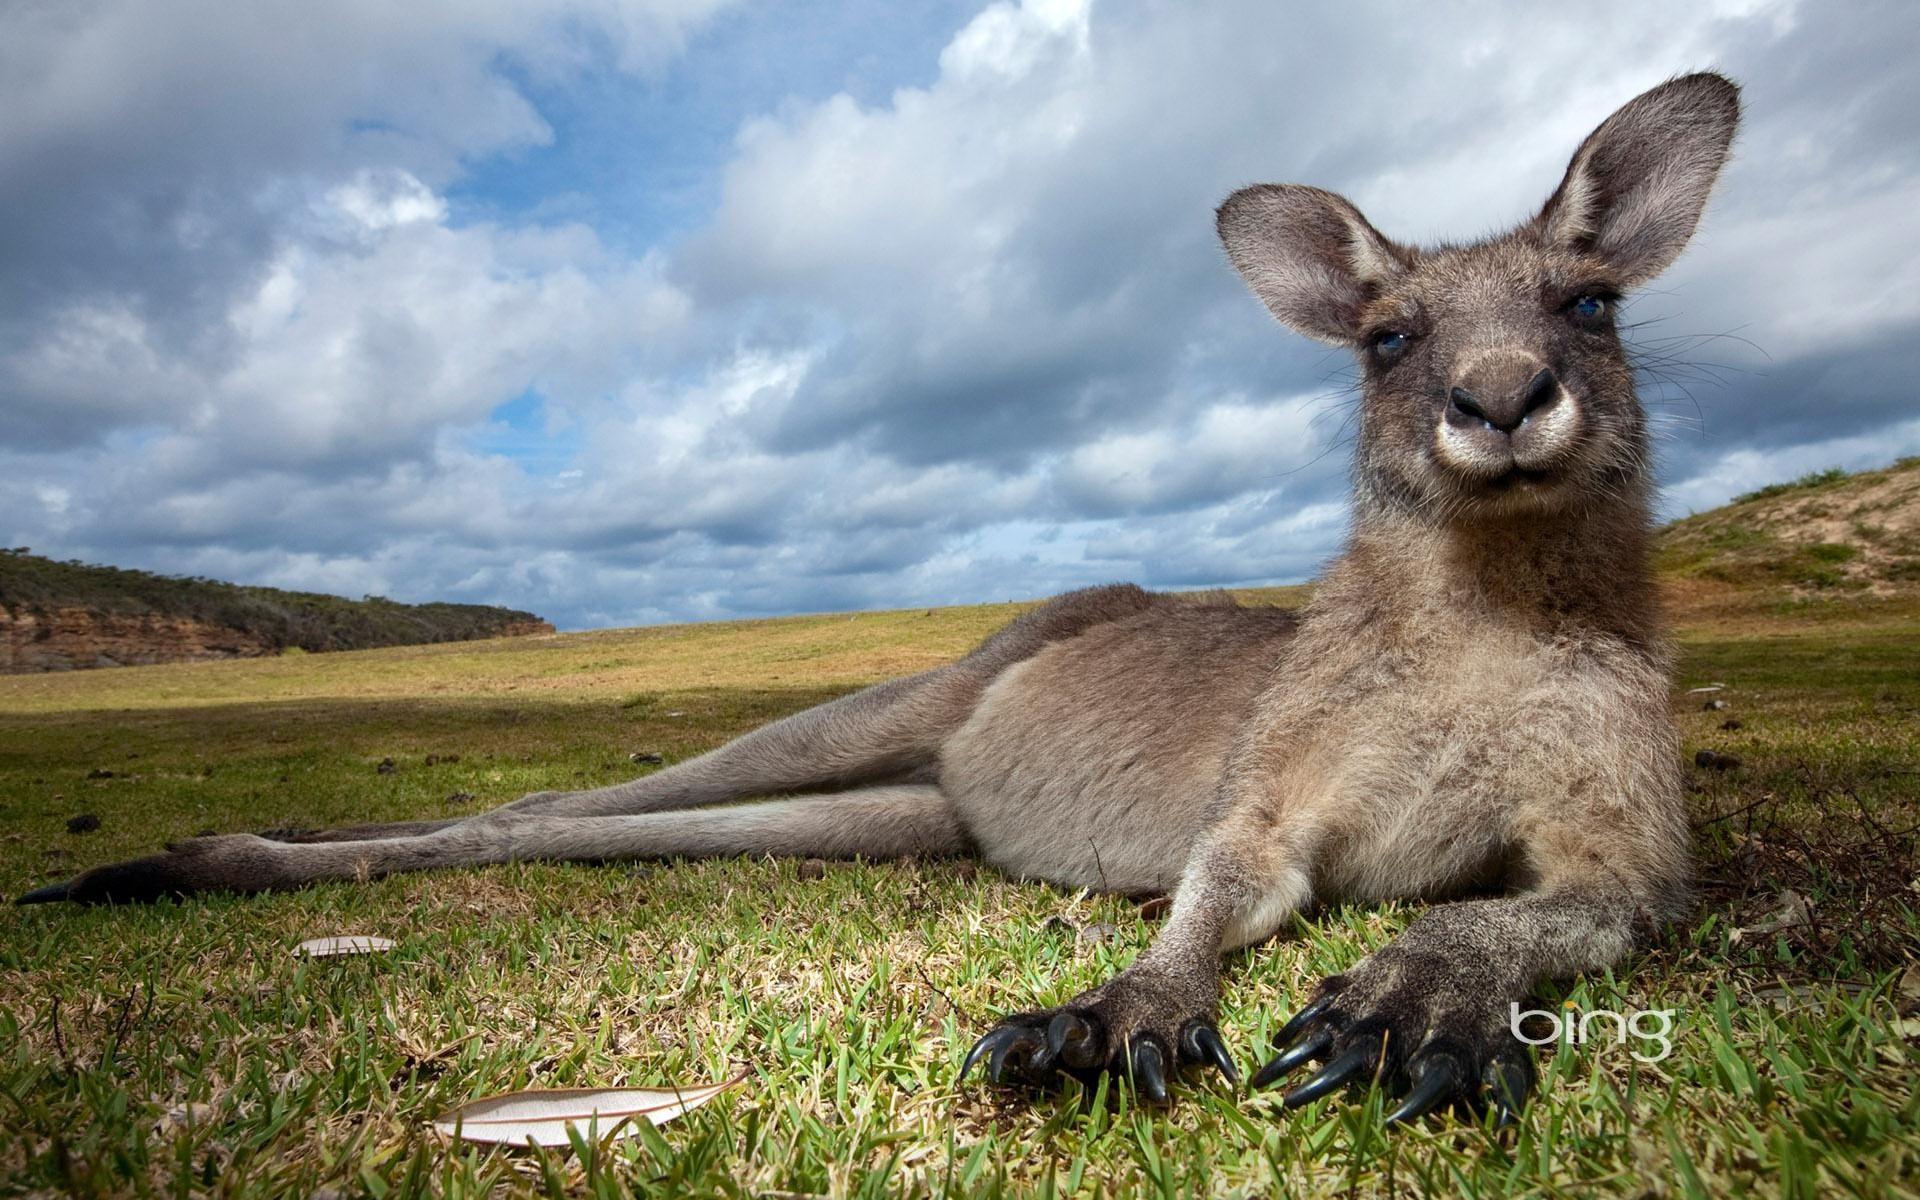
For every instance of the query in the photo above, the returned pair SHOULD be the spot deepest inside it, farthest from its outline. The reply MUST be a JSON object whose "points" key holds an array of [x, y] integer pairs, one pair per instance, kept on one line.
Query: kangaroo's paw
{"points": [[1140, 1025], [1415, 1024], [234, 862]]}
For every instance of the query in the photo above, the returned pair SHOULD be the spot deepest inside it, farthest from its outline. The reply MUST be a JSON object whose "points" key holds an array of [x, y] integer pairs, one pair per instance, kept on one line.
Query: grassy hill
{"points": [[1828, 535], [268, 617], [178, 1048]]}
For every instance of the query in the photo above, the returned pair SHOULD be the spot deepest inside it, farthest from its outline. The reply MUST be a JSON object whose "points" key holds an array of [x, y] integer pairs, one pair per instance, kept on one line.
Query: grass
{"points": [[182, 1049], [1811, 481]]}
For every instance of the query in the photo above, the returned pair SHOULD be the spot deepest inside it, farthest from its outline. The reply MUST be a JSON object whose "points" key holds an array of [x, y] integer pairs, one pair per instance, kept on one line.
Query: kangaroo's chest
{"points": [[1420, 754]]}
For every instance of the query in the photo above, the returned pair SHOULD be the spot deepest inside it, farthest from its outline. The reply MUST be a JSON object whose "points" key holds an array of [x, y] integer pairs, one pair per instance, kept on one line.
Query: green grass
{"points": [[181, 1049], [1811, 481]]}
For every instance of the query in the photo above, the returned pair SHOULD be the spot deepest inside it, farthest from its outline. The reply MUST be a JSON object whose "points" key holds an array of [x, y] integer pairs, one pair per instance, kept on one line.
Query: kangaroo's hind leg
{"points": [[361, 833], [889, 733], [881, 822]]}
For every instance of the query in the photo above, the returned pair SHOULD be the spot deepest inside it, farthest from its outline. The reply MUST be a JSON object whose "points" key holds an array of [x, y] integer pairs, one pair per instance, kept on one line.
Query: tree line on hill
{"points": [[309, 621]]}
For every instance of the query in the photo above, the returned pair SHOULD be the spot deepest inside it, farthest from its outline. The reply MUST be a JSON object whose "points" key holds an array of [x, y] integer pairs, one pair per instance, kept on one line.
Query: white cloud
{"points": [[1226, 449], [279, 83], [1008, 42], [370, 351], [379, 200]]}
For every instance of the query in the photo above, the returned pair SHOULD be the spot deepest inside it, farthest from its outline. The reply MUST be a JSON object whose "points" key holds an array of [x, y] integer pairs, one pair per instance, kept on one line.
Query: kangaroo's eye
{"points": [[1391, 342], [1590, 308]]}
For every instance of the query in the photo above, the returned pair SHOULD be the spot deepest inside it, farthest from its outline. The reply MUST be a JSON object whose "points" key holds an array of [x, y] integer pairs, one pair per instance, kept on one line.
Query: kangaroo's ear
{"points": [[1636, 186], [1309, 255]]}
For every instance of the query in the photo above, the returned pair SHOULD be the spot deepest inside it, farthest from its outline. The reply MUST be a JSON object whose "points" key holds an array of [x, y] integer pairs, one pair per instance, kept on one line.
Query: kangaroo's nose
{"points": [[1504, 409]]}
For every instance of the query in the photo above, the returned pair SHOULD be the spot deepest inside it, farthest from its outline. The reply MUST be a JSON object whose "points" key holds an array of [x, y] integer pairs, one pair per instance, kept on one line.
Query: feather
{"points": [[543, 1116], [329, 947]]}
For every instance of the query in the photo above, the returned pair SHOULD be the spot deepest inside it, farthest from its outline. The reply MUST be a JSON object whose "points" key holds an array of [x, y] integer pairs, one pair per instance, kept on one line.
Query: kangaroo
{"points": [[1473, 703]]}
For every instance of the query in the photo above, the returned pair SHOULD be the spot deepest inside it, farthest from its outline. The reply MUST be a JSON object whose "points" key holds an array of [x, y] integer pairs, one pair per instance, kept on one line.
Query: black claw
{"points": [[1436, 1077], [1299, 1020], [1150, 1070], [980, 1048], [996, 1046], [1509, 1078], [1038, 1048], [1355, 1062], [53, 893], [1200, 1043], [1072, 1040], [1024, 1043], [1309, 1045]]}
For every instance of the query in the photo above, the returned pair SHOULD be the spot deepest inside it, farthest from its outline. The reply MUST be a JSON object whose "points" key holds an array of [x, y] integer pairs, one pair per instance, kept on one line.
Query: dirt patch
{"points": [[1877, 518]]}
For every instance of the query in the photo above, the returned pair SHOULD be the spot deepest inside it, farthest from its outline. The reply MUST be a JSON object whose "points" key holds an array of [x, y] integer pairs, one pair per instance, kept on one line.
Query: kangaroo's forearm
{"points": [[1512, 942]]}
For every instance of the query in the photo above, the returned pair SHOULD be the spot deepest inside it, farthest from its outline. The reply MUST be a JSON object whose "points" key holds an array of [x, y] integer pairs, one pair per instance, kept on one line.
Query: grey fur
{"points": [[1474, 700]]}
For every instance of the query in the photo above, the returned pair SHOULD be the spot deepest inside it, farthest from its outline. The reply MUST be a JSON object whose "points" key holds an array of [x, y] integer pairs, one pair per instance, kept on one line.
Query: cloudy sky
{"points": [[628, 311]]}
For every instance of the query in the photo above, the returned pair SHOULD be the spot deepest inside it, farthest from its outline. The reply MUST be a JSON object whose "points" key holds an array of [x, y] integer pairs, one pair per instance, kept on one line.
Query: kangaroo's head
{"points": [[1495, 378]]}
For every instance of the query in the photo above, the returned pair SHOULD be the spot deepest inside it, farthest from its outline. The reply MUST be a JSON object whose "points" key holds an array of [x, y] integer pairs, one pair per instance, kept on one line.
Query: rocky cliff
{"points": [[74, 639], [69, 639]]}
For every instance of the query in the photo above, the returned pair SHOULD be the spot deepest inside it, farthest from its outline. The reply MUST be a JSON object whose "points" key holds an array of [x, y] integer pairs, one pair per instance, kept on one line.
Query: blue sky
{"points": [[639, 155], [627, 311]]}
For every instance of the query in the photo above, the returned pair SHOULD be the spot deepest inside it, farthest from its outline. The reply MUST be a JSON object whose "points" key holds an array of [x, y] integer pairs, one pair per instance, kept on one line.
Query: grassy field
{"points": [[182, 1049]]}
